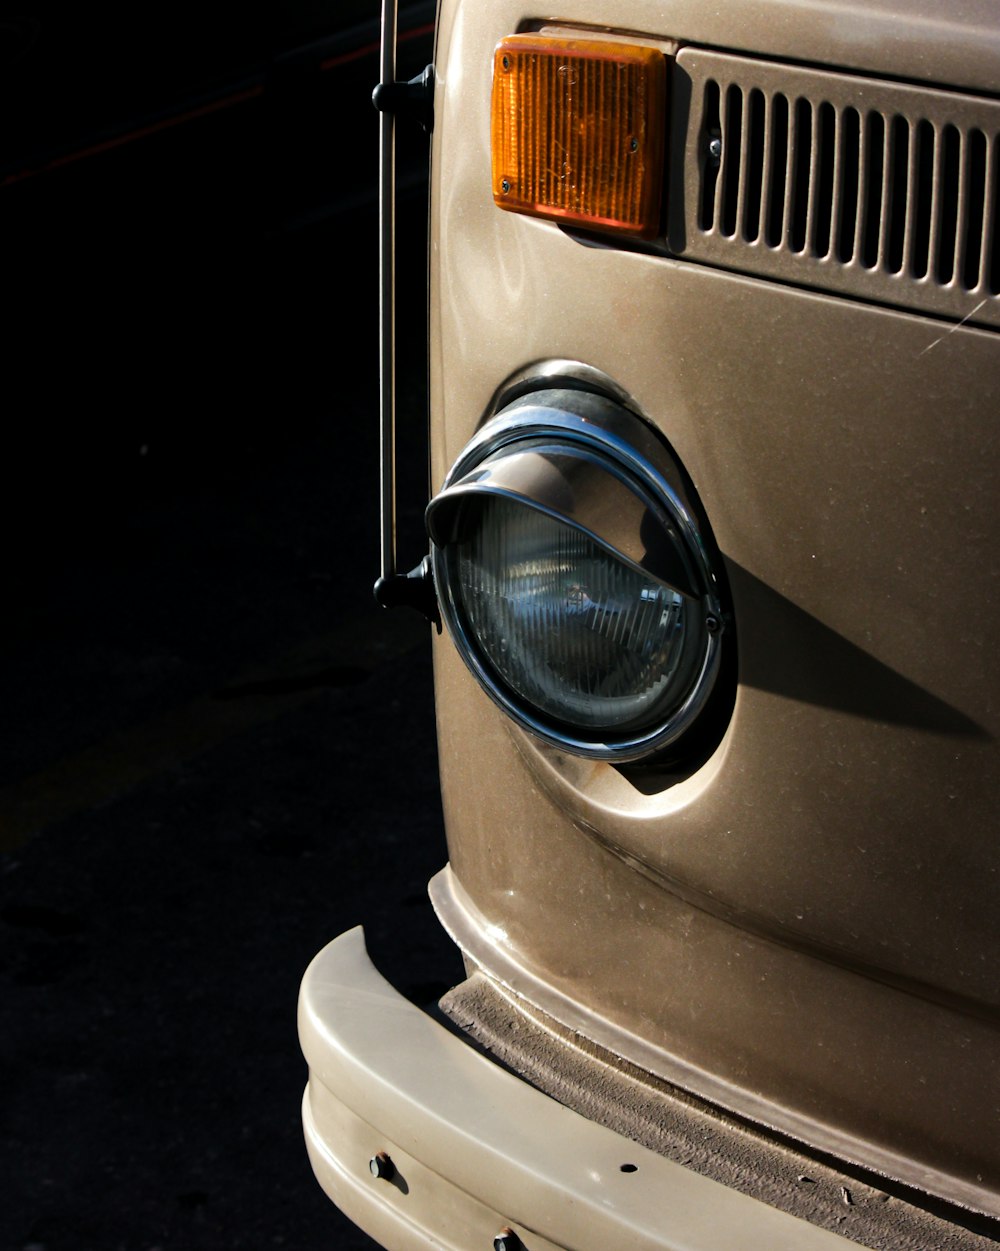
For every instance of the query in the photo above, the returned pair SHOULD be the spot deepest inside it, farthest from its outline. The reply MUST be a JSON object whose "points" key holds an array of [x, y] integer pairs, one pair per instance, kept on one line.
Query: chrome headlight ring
{"points": [[573, 576]]}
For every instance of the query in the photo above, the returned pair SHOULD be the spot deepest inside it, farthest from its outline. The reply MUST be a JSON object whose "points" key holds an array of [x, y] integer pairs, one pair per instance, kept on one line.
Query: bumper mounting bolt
{"points": [[382, 1167], [507, 1240]]}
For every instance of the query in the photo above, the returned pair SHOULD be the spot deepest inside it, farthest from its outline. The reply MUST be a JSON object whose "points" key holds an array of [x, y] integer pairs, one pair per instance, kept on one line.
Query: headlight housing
{"points": [[574, 578]]}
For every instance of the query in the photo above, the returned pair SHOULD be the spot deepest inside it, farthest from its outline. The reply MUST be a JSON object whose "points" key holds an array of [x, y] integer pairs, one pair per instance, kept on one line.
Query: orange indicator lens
{"points": [[577, 131]]}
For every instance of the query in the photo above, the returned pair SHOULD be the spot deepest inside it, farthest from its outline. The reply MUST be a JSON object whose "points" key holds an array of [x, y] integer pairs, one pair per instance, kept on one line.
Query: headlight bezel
{"points": [[567, 410]]}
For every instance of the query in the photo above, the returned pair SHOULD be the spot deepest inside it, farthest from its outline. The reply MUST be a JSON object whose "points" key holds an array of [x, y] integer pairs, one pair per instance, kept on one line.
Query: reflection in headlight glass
{"points": [[582, 636]]}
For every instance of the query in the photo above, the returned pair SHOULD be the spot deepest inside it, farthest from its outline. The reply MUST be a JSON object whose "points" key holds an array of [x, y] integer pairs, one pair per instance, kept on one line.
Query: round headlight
{"points": [[573, 577]]}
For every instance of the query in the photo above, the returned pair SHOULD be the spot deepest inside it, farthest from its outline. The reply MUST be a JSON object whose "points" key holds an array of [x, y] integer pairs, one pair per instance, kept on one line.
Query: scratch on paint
{"points": [[957, 326]]}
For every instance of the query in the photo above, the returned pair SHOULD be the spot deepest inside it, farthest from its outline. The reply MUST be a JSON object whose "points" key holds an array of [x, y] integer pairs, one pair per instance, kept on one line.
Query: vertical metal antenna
{"points": [[387, 298]]}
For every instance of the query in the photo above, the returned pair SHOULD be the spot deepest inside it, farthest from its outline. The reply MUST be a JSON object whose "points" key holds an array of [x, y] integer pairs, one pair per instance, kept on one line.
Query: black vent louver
{"points": [[874, 189]]}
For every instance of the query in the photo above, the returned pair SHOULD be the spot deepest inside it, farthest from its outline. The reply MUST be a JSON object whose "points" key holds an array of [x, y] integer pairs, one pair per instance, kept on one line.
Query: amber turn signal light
{"points": [[578, 131]]}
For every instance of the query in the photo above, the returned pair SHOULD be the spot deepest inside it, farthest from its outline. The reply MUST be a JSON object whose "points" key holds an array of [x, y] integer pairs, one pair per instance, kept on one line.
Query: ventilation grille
{"points": [[867, 188]]}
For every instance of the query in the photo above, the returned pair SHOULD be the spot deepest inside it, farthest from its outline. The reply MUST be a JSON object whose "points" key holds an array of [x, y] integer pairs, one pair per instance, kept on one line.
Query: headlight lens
{"points": [[575, 632], [574, 579]]}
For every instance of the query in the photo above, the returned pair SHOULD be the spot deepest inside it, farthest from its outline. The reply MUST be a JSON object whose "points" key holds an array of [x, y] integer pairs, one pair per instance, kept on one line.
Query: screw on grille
{"points": [[715, 149], [504, 186], [507, 1240], [382, 1167]]}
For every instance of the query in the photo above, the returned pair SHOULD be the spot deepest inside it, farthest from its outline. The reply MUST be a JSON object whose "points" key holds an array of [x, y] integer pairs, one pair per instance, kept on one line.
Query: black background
{"points": [[217, 753]]}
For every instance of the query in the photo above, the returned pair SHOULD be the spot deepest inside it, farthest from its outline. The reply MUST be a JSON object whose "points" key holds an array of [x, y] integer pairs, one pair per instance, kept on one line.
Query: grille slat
{"points": [[861, 225], [972, 249], [876, 189], [836, 174], [873, 167], [770, 144], [826, 179], [744, 164], [850, 149], [962, 209], [753, 188], [777, 156], [989, 220], [885, 203], [732, 129], [803, 164], [909, 218], [934, 236], [923, 201], [813, 195]]}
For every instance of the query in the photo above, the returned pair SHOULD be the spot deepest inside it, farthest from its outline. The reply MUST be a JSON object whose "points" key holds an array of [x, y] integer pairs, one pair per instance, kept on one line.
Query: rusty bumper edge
{"points": [[474, 1150]]}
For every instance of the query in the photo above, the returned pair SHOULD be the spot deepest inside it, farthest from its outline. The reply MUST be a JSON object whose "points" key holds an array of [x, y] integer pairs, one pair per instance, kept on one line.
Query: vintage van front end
{"points": [[714, 536]]}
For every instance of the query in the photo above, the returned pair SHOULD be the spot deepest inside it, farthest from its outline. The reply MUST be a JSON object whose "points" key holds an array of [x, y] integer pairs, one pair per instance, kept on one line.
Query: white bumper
{"points": [[476, 1151]]}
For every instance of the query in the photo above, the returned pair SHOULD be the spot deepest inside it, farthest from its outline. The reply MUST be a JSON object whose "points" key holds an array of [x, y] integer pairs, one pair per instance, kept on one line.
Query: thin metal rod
{"points": [[387, 298]]}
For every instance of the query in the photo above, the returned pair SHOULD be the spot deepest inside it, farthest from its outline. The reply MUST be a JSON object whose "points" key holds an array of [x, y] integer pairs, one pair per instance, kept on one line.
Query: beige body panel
{"points": [[805, 928]]}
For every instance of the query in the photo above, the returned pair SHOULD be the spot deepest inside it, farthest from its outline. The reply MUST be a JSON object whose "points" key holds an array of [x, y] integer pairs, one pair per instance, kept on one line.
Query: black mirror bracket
{"points": [[413, 99], [411, 590]]}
